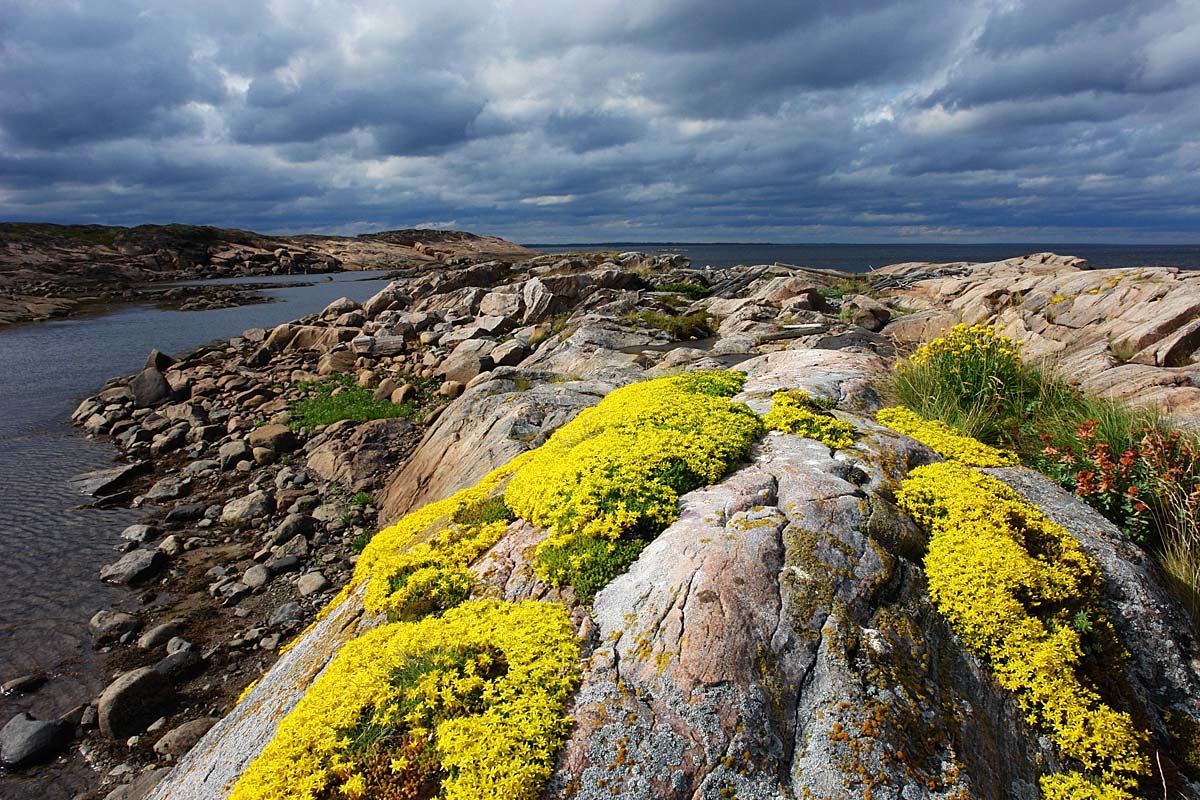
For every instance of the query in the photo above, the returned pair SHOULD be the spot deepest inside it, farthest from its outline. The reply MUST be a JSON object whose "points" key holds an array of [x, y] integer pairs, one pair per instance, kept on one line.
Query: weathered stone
{"points": [[110, 625], [135, 566], [233, 453], [257, 576], [337, 361], [244, 510], [160, 634], [183, 738], [132, 701], [311, 583], [508, 354], [277, 438], [149, 388]]}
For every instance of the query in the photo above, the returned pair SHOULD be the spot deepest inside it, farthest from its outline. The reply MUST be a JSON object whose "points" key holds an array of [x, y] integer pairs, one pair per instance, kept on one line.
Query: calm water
{"points": [[864, 257], [50, 550]]}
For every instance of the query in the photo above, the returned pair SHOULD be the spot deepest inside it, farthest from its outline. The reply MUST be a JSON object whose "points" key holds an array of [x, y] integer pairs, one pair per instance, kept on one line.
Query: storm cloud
{"points": [[651, 120]]}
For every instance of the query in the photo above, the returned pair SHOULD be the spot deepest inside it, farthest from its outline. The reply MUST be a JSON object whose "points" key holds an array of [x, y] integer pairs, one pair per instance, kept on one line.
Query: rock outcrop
{"points": [[777, 640], [1130, 333]]}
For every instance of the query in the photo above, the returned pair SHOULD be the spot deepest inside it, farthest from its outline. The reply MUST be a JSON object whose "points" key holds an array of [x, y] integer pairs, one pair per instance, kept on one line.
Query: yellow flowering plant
{"points": [[466, 706], [1016, 586], [795, 411], [945, 440], [610, 479]]}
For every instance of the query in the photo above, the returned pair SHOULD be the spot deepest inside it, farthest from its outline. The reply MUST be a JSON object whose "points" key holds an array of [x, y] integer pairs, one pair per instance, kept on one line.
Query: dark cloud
{"points": [[867, 120]]}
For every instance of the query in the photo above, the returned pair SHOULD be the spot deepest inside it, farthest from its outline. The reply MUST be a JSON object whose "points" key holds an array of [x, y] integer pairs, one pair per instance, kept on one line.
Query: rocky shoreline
{"points": [[50, 271], [255, 520]]}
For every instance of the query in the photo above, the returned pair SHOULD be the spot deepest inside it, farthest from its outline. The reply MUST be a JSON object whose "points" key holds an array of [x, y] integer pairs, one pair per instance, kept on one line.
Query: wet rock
{"points": [[131, 702], [107, 481], [25, 740], [179, 740], [108, 626], [139, 533], [169, 488], [24, 684], [244, 510], [134, 566], [188, 512]]}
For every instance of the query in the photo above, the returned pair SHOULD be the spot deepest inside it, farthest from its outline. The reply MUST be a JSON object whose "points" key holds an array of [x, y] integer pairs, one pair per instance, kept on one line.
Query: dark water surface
{"points": [[51, 550], [864, 257]]}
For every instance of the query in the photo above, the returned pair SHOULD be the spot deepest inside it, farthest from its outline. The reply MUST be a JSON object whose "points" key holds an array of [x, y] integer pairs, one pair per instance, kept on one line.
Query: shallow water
{"points": [[51, 550]]}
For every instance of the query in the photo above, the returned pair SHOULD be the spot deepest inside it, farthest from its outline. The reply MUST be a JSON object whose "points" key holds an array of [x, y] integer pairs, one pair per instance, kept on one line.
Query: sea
{"points": [[866, 257]]}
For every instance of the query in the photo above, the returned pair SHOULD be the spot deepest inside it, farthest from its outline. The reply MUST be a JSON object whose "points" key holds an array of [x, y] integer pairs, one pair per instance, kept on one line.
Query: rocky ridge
{"points": [[776, 641]]}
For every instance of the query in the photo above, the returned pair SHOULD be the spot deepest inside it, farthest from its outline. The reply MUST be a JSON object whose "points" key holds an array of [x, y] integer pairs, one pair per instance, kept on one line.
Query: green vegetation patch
{"points": [[696, 325], [338, 397], [693, 291]]}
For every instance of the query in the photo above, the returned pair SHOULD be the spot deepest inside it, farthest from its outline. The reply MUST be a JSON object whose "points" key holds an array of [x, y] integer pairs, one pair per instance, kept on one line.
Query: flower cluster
{"points": [[611, 478], [419, 565], [1014, 586], [977, 342], [472, 699], [1158, 477], [945, 440], [794, 411]]}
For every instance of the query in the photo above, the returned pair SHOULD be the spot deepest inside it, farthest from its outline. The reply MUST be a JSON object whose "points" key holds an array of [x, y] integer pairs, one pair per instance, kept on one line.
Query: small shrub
{"points": [[337, 398], [362, 499]]}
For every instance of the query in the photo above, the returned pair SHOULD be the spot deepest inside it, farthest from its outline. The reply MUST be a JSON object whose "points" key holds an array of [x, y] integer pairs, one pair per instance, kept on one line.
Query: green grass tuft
{"points": [[337, 398]]}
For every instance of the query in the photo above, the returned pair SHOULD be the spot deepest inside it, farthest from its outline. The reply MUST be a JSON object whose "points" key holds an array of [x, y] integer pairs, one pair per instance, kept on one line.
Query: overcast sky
{"points": [[630, 120]]}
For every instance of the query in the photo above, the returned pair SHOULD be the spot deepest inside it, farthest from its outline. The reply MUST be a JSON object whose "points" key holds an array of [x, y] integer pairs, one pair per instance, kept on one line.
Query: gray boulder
{"points": [[149, 388], [244, 510], [25, 740], [134, 566], [131, 702]]}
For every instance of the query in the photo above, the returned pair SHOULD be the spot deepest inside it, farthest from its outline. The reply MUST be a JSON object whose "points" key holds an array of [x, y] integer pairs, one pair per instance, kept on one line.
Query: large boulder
{"points": [[131, 702], [150, 388]]}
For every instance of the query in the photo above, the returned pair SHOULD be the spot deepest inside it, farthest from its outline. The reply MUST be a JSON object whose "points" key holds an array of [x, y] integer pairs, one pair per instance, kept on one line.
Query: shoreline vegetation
{"points": [[1133, 464], [271, 460]]}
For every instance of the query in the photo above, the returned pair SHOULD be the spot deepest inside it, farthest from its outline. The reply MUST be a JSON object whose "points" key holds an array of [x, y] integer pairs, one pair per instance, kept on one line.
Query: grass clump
{"points": [[338, 397], [845, 286], [692, 291], [696, 325]]}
